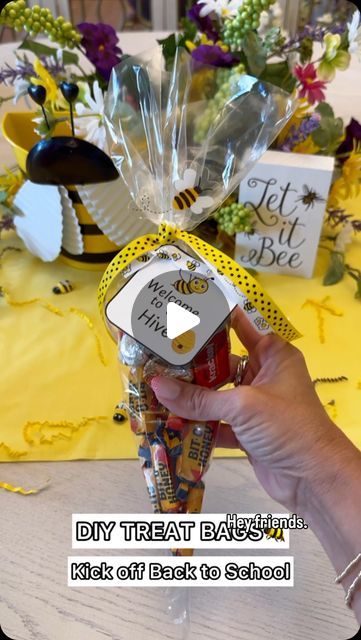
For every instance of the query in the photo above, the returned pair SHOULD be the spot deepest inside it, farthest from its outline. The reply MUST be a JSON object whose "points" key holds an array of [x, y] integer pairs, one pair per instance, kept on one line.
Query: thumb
{"points": [[198, 403]]}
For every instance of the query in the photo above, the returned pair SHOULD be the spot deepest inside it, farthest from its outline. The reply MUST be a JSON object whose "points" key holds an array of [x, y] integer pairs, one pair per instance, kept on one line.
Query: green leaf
{"points": [[255, 53], [336, 269], [306, 50], [40, 49], [189, 29], [169, 46], [325, 110], [278, 73], [3, 195]]}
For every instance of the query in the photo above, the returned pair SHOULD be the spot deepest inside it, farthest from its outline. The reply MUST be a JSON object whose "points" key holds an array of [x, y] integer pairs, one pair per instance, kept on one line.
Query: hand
{"points": [[275, 416]]}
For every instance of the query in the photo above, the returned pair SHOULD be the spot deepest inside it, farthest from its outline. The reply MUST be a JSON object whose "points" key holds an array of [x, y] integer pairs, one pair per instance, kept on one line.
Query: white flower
{"points": [[21, 89], [354, 34], [223, 8], [90, 124]]}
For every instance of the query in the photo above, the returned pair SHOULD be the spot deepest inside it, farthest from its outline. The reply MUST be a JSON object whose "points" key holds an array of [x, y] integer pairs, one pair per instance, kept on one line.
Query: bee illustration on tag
{"points": [[63, 286], [276, 534], [192, 265], [184, 343], [189, 194], [193, 285], [309, 197], [163, 255], [248, 307], [261, 324]]}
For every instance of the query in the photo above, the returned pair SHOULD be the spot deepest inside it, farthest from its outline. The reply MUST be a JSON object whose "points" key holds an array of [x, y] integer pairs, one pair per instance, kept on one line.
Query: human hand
{"points": [[275, 416]]}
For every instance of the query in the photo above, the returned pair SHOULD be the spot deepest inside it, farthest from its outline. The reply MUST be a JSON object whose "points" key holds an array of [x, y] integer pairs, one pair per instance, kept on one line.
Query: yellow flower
{"points": [[11, 182], [348, 185], [307, 146], [190, 45], [46, 81], [333, 58]]}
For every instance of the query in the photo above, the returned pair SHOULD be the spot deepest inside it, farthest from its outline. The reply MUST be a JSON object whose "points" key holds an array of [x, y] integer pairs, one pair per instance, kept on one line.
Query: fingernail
{"points": [[166, 388]]}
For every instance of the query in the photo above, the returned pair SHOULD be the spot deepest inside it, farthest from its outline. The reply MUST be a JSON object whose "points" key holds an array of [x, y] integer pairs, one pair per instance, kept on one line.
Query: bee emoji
{"points": [[184, 343], [120, 413], [63, 286], [189, 194], [309, 197], [194, 285], [276, 534], [144, 258], [163, 255], [248, 307], [192, 265]]}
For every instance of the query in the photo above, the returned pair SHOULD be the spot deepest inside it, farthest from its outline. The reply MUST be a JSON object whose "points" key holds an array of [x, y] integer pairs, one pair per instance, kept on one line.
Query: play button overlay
{"points": [[171, 310], [179, 320]]}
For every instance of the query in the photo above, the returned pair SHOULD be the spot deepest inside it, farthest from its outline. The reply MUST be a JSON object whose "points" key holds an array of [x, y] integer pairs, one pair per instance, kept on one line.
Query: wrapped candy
{"points": [[179, 164]]}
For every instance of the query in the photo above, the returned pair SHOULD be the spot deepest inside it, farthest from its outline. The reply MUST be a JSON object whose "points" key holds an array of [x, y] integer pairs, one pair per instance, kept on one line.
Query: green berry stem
{"points": [[234, 218], [36, 20], [247, 19]]}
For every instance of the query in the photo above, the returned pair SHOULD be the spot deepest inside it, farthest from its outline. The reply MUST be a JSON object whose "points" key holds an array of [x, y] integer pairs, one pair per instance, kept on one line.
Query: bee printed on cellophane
{"points": [[195, 284], [190, 194]]}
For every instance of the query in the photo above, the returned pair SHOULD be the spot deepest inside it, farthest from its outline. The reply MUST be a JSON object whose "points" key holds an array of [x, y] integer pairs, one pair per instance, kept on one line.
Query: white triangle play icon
{"points": [[179, 320]]}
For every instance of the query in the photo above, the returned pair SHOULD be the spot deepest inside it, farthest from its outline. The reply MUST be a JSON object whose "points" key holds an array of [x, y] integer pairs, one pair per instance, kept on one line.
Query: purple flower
{"points": [[100, 43], [214, 56], [353, 134], [299, 134], [205, 25]]}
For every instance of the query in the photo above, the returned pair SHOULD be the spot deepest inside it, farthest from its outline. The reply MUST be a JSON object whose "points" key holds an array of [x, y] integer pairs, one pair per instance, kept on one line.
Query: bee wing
{"points": [[202, 203], [189, 180]]}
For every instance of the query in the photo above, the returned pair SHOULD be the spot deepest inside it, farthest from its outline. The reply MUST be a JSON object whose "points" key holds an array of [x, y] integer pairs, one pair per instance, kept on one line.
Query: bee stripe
{"points": [[90, 230], [179, 202], [94, 258], [74, 196], [183, 195], [191, 195]]}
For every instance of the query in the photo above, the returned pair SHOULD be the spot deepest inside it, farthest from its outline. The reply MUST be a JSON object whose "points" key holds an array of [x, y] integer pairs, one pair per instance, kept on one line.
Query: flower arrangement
{"points": [[241, 34]]}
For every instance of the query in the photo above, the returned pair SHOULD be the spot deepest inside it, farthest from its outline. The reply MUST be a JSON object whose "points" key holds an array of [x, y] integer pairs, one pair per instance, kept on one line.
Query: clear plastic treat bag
{"points": [[182, 137]]}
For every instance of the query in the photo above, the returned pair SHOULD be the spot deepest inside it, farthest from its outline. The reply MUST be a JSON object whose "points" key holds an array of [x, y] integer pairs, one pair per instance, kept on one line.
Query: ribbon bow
{"points": [[218, 261]]}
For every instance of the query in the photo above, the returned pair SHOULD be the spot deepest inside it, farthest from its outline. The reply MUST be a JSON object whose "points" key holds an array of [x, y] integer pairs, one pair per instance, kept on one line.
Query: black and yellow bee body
{"points": [[248, 307], [276, 534], [63, 286], [185, 199], [309, 197], [163, 255], [192, 265], [144, 258], [195, 284], [120, 413]]}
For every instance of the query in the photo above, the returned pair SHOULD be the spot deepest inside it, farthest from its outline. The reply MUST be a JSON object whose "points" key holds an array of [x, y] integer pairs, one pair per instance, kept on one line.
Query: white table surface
{"points": [[35, 535]]}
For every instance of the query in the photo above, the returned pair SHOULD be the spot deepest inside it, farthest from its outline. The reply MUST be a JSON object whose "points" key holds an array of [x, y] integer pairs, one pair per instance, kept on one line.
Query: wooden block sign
{"points": [[287, 193]]}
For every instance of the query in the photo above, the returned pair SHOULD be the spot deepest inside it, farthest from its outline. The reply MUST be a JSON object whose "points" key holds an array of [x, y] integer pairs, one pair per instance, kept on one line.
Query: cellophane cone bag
{"points": [[182, 137]]}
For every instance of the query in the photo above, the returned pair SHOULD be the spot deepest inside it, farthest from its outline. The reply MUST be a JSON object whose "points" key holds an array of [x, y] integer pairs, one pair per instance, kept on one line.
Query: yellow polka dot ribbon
{"points": [[244, 282]]}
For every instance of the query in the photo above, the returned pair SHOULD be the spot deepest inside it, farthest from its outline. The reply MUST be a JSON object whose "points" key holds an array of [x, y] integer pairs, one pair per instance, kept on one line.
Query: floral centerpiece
{"points": [[242, 34]]}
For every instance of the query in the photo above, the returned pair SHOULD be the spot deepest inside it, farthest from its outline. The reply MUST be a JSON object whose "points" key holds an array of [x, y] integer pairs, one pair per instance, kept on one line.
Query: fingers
{"points": [[247, 334], [198, 403]]}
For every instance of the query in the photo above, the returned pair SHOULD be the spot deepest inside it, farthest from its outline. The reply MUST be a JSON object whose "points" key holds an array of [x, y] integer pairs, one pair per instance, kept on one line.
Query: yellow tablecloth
{"points": [[57, 397]]}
